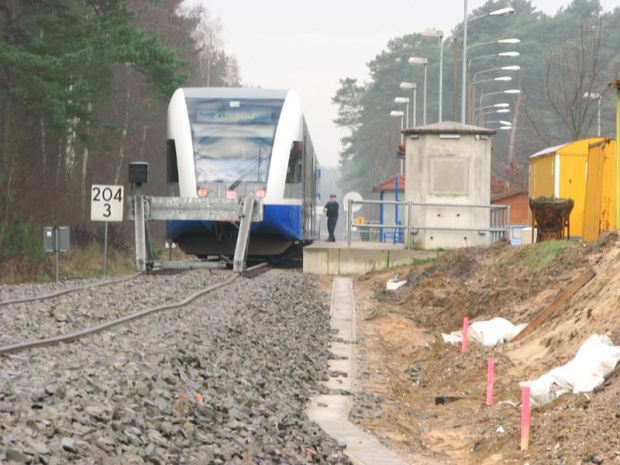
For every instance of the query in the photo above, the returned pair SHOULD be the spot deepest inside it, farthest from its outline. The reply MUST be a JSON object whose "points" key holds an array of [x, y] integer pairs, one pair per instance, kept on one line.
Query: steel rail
{"points": [[66, 338], [67, 291]]}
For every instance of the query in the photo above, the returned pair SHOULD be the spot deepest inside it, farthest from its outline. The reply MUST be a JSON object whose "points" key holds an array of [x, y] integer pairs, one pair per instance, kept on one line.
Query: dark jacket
{"points": [[332, 209]]}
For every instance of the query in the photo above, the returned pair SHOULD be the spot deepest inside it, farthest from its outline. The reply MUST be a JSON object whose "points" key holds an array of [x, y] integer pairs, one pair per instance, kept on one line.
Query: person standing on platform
{"points": [[331, 210]]}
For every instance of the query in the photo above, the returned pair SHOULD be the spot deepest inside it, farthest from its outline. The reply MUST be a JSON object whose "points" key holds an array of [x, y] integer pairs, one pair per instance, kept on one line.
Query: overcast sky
{"points": [[308, 46]]}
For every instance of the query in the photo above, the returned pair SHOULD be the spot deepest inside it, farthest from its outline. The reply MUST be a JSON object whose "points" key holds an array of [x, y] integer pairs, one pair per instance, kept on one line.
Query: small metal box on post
{"points": [[55, 240], [138, 175]]}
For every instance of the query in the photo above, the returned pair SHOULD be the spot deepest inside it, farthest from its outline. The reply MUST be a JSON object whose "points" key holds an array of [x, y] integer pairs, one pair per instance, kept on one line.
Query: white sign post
{"points": [[106, 204]]}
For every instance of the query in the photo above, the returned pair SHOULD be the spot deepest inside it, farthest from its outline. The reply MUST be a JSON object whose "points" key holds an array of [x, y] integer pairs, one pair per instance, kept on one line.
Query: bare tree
{"points": [[573, 73]]}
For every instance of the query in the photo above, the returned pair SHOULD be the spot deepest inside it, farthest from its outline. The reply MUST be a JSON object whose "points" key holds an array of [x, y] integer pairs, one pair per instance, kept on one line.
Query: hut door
{"points": [[594, 192]]}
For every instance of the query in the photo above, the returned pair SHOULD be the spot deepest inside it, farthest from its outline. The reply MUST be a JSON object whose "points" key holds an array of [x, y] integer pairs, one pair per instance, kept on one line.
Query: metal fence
{"points": [[499, 221]]}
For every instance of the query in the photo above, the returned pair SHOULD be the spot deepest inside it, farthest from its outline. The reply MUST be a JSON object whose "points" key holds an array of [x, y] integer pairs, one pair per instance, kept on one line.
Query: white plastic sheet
{"points": [[595, 360], [489, 333]]}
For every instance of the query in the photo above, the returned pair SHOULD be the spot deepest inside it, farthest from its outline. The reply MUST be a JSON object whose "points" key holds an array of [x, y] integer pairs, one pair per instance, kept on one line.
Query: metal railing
{"points": [[377, 225], [499, 221]]}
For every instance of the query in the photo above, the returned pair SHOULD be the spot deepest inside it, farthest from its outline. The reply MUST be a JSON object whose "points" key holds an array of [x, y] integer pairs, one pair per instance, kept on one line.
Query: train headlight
{"points": [[202, 192], [260, 193]]}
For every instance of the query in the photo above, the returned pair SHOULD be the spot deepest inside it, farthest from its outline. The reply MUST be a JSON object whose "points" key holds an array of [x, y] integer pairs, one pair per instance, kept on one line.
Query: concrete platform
{"points": [[335, 258], [331, 411]]}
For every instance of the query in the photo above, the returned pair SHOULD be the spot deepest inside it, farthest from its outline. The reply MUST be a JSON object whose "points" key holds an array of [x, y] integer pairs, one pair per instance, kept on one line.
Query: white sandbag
{"points": [[595, 360], [455, 337], [489, 333], [492, 333]]}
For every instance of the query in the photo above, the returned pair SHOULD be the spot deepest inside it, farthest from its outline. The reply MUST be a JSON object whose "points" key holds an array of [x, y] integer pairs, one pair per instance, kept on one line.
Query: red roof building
{"points": [[518, 200], [390, 184]]}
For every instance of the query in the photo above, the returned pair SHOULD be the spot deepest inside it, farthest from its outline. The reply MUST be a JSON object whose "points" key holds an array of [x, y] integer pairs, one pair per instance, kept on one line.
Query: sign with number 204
{"points": [[106, 203]]}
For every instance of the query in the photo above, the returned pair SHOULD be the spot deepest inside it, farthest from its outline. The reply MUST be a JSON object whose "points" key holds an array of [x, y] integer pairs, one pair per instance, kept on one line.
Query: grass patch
{"points": [[396, 312], [416, 262], [538, 256], [87, 262], [79, 263]]}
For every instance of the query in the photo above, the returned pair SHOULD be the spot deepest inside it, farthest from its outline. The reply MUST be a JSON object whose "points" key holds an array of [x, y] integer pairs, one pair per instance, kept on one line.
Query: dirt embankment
{"points": [[405, 365]]}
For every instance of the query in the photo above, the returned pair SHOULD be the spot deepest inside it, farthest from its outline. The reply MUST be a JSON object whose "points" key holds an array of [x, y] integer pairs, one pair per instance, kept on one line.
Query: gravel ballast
{"points": [[223, 380]]}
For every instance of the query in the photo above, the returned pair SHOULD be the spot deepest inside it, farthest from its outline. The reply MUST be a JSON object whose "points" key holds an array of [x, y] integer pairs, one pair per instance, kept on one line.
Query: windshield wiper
{"points": [[235, 184]]}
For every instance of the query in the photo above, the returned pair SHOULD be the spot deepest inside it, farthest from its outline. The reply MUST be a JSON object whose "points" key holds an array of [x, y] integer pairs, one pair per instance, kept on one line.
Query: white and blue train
{"points": [[231, 142]]}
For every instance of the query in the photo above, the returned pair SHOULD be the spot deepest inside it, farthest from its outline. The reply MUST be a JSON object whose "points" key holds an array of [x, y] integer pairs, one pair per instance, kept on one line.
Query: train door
{"points": [[309, 188]]}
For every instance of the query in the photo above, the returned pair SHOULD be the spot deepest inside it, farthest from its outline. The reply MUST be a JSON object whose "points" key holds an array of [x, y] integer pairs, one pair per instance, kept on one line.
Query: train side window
{"points": [[293, 172], [172, 169]]}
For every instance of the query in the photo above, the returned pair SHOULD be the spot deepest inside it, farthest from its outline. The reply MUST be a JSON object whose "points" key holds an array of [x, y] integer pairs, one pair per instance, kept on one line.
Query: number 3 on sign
{"points": [[106, 203]]}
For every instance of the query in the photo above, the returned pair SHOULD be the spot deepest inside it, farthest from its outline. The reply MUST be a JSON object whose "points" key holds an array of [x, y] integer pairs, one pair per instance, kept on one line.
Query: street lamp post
{"points": [[472, 94], [437, 33], [505, 125], [492, 112], [500, 54], [470, 88], [495, 105], [499, 41], [596, 96], [401, 115], [421, 61], [501, 68], [498, 79], [404, 100], [500, 12], [410, 86], [509, 91]]}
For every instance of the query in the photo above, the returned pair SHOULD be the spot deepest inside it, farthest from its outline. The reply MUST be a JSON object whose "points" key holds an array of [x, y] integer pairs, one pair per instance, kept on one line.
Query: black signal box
{"points": [[138, 172]]}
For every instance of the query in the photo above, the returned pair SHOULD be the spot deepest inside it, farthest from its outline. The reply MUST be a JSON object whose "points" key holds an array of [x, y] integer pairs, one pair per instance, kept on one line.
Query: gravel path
{"points": [[224, 380]]}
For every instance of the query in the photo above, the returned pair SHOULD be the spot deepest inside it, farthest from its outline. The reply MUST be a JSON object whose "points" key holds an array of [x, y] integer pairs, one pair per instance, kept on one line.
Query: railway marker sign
{"points": [[106, 204]]}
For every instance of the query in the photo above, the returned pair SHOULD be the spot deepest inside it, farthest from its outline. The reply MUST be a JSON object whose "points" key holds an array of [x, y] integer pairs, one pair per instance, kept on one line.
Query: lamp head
{"points": [[418, 61], [432, 33], [502, 12]]}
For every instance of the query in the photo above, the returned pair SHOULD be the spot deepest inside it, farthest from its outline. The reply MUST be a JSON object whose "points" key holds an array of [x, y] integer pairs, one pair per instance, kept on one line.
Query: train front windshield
{"points": [[232, 138]]}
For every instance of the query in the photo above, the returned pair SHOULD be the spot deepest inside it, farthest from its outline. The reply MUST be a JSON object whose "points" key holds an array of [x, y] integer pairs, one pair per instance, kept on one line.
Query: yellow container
{"points": [[562, 171]]}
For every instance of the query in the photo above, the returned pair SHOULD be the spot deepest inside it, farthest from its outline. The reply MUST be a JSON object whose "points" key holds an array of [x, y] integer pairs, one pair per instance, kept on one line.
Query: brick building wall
{"points": [[519, 205]]}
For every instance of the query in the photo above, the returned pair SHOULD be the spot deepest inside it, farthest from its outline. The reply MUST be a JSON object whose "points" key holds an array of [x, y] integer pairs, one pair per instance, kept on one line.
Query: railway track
{"points": [[93, 329]]}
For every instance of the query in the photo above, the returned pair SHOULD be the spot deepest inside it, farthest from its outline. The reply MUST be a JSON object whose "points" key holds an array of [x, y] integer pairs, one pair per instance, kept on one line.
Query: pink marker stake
{"points": [[465, 334], [490, 380], [525, 417]]}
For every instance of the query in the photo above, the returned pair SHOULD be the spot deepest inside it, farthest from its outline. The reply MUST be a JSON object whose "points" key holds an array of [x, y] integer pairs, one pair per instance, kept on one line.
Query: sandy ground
{"points": [[404, 364]]}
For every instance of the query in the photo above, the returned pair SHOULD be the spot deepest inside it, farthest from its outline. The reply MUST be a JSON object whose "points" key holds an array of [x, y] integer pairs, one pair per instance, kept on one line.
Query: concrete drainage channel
{"points": [[331, 411]]}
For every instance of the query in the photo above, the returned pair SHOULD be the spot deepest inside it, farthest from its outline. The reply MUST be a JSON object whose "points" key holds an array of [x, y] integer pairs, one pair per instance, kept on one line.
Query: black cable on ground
{"points": [[133, 316], [67, 291], [96, 329]]}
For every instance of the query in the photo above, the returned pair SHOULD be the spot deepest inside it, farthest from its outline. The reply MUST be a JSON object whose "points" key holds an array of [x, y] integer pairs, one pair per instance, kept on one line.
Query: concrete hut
{"points": [[449, 164]]}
